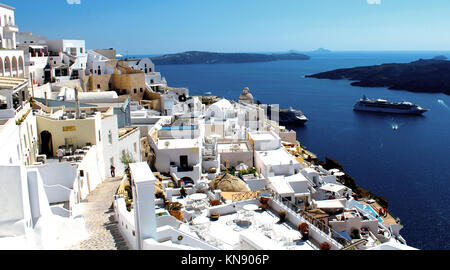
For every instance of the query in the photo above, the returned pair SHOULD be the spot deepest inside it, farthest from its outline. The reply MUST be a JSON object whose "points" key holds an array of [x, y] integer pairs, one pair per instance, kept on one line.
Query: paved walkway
{"points": [[98, 212]]}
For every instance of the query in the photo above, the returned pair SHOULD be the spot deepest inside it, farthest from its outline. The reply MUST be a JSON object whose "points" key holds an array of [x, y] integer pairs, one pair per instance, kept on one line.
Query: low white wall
{"points": [[57, 193], [92, 172], [125, 221], [167, 233], [53, 174], [60, 211], [228, 208]]}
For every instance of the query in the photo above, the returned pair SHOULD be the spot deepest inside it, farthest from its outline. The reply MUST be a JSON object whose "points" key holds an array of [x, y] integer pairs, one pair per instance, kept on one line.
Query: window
{"points": [[135, 147], [99, 136], [110, 137], [135, 90], [141, 90], [111, 160], [98, 86]]}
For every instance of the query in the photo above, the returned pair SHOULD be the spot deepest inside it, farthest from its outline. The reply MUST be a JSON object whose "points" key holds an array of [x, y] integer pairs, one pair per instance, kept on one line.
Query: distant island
{"points": [[318, 51], [429, 76], [196, 57]]}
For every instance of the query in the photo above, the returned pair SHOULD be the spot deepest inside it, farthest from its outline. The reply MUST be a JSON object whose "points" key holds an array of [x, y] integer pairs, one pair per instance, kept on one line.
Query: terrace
{"points": [[241, 225]]}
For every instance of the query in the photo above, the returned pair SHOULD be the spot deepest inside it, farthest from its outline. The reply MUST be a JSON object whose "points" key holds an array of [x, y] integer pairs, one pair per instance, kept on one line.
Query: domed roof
{"points": [[246, 96], [229, 183]]}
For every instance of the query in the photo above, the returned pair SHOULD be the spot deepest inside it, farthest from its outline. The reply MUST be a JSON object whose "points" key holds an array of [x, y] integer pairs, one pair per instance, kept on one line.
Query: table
{"points": [[198, 200], [198, 196]]}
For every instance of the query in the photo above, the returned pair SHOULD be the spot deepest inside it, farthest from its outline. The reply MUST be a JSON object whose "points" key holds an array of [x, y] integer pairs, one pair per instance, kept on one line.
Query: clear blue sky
{"points": [[170, 26]]}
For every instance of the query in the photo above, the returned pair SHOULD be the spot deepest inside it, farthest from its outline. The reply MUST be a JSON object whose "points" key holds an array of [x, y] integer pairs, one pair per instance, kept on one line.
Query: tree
{"points": [[126, 160]]}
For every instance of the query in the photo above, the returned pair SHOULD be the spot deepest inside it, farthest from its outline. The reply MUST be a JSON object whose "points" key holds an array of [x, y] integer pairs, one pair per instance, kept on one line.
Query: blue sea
{"points": [[409, 166]]}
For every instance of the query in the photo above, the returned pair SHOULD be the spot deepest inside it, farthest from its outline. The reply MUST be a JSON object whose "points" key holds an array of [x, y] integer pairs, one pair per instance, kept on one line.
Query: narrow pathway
{"points": [[98, 212]]}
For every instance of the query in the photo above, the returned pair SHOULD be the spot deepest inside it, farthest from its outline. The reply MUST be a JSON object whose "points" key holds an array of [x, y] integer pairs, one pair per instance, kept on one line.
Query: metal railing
{"points": [[245, 196], [319, 224]]}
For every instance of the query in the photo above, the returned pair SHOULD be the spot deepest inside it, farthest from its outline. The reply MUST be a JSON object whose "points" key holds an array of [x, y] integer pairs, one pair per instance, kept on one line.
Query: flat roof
{"points": [[232, 147], [280, 185], [277, 157], [6, 6], [333, 187], [262, 136], [297, 178], [327, 204]]}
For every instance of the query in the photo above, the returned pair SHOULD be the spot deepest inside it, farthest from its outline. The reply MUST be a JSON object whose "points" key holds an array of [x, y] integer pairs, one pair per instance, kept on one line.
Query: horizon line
{"points": [[297, 51]]}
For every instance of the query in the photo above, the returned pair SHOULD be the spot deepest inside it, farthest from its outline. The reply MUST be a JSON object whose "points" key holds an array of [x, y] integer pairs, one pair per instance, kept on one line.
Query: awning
{"points": [[333, 188], [330, 204], [36, 46]]}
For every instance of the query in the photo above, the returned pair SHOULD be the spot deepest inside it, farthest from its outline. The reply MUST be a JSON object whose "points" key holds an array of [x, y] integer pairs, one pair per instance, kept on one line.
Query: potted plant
{"points": [[174, 209], [325, 246], [215, 202], [214, 216], [304, 230], [264, 202], [282, 215]]}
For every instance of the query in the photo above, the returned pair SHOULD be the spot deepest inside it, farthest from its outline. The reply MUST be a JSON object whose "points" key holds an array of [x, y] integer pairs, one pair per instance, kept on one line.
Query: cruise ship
{"points": [[287, 116], [381, 105]]}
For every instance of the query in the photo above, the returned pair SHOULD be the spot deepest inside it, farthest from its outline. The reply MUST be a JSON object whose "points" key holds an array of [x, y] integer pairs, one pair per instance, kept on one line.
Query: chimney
{"points": [[77, 104]]}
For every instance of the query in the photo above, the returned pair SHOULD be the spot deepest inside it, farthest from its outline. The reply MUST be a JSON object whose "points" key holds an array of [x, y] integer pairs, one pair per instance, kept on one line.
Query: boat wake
{"points": [[394, 125], [441, 102]]}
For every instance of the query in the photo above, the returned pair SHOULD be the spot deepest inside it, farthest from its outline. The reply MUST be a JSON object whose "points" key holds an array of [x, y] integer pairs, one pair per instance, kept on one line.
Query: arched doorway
{"points": [[46, 143], [186, 181], [21, 67], [7, 67], [15, 69], [2, 68]]}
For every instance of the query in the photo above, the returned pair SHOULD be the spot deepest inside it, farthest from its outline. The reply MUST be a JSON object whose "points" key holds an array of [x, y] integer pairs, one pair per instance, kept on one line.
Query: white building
{"points": [[36, 55], [152, 78], [12, 62], [8, 28], [67, 60], [98, 64], [27, 220]]}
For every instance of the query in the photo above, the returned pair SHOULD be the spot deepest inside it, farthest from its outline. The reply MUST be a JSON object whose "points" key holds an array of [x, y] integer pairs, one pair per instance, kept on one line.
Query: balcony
{"points": [[192, 172], [11, 28]]}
